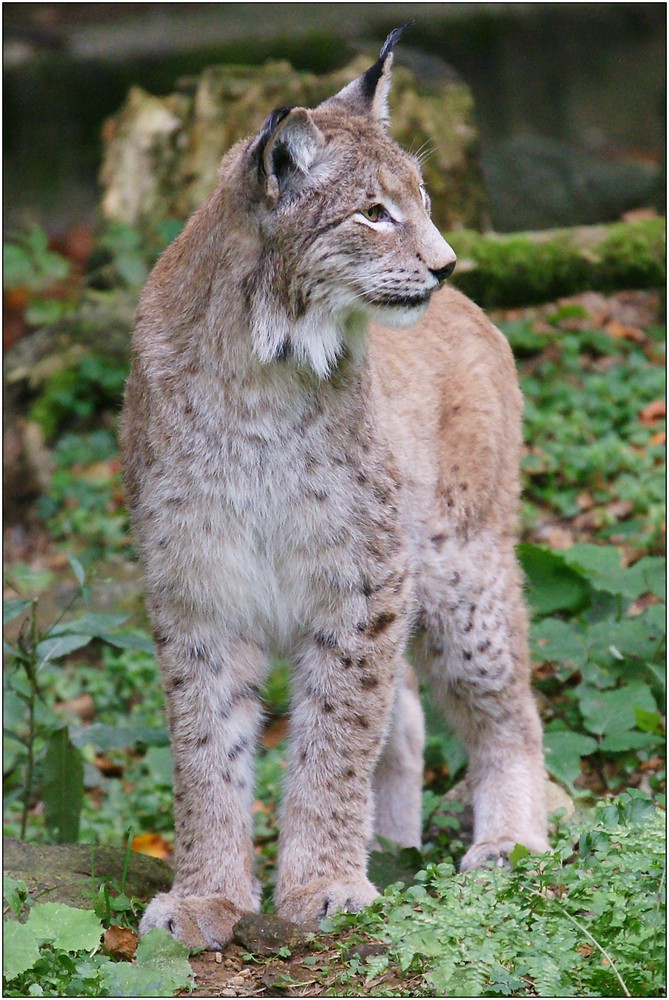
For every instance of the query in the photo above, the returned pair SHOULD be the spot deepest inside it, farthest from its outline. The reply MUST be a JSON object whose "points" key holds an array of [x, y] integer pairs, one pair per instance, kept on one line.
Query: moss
{"points": [[633, 254], [527, 268]]}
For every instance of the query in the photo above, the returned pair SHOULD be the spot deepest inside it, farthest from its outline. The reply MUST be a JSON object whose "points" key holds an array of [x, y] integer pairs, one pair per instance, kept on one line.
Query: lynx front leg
{"points": [[476, 654], [343, 691], [214, 713]]}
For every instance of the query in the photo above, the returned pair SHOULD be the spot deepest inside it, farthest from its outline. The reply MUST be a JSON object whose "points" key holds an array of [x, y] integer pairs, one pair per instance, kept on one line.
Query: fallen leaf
{"points": [[657, 410], [621, 331], [81, 706], [586, 950], [110, 768], [120, 942], [558, 538], [275, 733], [620, 509], [152, 844], [659, 438]]}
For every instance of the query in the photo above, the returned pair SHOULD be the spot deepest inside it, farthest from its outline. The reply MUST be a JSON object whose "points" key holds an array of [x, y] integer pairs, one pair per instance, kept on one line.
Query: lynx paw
{"points": [[480, 854], [196, 921], [308, 904]]}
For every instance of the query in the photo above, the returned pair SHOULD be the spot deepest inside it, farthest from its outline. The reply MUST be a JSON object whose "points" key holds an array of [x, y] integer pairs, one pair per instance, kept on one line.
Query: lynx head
{"points": [[342, 221]]}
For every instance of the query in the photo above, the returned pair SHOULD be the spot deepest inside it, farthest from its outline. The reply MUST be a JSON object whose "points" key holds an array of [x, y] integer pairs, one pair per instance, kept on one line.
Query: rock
{"points": [[539, 183], [368, 949], [162, 154], [71, 873], [266, 933]]}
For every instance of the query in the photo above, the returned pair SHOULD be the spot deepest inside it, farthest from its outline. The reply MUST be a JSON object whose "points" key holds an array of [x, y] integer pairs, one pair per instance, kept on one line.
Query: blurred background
{"points": [[569, 98]]}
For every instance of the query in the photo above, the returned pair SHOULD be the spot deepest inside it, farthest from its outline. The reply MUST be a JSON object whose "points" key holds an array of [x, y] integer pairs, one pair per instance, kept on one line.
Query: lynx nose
{"points": [[441, 273]]}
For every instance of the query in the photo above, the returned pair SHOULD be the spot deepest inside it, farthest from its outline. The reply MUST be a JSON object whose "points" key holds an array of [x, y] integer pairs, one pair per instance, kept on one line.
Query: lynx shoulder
{"points": [[321, 444]]}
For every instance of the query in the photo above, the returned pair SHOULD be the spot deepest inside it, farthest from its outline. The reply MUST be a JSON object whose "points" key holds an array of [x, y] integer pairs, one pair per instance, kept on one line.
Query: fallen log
{"points": [[519, 269]]}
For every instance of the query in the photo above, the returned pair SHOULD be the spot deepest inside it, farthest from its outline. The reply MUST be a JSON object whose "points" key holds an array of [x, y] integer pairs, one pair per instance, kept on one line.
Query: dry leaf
{"points": [[657, 410], [659, 438], [621, 331], [120, 942], [82, 706], [558, 538], [275, 733], [152, 844], [620, 509]]}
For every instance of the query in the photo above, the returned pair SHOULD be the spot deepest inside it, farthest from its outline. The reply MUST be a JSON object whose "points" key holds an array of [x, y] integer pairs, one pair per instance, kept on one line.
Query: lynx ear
{"points": [[368, 94], [285, 150]]}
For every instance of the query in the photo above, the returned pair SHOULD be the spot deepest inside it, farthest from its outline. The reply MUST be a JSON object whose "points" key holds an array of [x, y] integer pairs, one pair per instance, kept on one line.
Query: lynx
{"points": [[321, 446]]}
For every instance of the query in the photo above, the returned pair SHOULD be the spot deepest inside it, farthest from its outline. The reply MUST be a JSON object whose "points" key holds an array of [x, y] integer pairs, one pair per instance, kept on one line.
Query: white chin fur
{"points": [[399, 316]]}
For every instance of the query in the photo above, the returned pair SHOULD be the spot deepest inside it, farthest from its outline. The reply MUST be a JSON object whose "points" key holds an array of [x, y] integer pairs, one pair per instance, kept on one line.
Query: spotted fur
{"points": [[321, 458]]}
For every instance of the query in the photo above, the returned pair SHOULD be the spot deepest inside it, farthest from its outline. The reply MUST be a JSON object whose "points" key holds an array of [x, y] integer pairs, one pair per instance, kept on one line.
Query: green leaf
{"points": [[613, 711], [628, 739], [65, 926], [11, 609], [638, 638], [43, 312], [564, 750], [63, 788], [518, 853], [563, 642], [17, 267], [104, 737], [552, 584], [647, 575], [78, 570], [20, 948], [128, 640], [161, 968], [648, 722], [159, 762], [92, 625], [29, 581], [394, 865], [601, 564], [60, 645], [15, 893]]}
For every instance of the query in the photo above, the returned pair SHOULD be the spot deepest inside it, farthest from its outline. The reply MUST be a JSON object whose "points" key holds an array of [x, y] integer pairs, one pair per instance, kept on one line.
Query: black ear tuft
{"points": [[273, 120], [370, 79], [394, 37]]}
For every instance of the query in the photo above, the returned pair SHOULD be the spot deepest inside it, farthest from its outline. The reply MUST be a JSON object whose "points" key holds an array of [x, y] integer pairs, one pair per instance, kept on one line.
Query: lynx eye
{"points": [[375, 213]]}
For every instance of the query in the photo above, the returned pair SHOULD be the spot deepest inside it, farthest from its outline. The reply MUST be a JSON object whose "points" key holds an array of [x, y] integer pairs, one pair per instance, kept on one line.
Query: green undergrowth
{"points": [[585, 393], [587, 920], [55, 950]]}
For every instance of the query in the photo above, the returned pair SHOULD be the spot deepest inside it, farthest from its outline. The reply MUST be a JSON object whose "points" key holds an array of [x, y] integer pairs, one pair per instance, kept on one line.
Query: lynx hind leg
{"points": [[475, 654], [398, 779], [214, 712]]}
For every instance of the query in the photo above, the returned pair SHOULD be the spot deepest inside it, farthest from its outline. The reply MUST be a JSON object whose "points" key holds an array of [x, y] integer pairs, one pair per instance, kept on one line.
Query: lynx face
{"points": [[344, 228]]}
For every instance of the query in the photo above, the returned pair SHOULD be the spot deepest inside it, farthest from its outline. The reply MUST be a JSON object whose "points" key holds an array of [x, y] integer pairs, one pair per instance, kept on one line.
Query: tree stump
{"points": [[162, 154]]}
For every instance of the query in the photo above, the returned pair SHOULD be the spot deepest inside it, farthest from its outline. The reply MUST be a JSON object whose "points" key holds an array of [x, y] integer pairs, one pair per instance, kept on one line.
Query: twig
{"points": [[590, 937]]}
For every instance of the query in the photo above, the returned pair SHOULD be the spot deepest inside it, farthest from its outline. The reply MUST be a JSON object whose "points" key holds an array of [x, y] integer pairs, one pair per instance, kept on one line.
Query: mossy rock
{"points": [[162, 154], [519, 269], [72, 873]]}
